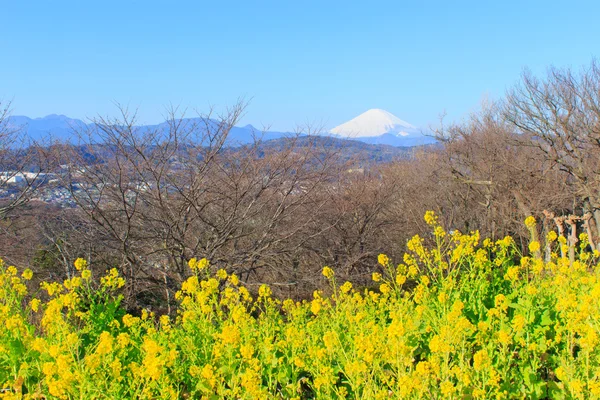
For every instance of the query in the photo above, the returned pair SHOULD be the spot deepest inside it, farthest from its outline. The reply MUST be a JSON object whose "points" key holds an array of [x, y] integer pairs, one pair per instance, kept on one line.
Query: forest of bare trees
{"points": [[148, 201]]}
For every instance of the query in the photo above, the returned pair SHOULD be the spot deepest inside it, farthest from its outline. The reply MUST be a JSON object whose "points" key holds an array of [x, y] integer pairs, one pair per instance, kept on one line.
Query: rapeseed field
{"points": [[460, 318]]}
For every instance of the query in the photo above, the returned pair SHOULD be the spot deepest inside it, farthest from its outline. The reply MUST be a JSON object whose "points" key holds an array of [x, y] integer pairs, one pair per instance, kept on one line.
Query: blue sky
{"points": [[317, 62]]}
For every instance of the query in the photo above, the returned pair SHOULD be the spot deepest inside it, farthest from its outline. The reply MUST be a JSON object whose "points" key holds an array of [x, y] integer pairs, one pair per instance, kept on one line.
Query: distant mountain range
{"points": [[375, 126], [62, 128]]}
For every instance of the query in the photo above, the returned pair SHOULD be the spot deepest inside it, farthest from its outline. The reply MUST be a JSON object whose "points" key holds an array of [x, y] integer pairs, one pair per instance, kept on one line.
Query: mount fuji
{"points": [[378, 126]]}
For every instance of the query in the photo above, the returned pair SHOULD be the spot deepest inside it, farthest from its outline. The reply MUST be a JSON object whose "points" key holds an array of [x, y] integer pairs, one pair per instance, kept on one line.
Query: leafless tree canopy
{"points": [[22, 164], [562, 114], [501, 177], [147, 200], [158, 198]]}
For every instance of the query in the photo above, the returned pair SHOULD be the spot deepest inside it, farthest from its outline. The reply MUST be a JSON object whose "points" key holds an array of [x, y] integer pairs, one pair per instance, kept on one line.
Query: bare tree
{"points": [[22, 164], [562, 114], [505, 180], [160, 197]]}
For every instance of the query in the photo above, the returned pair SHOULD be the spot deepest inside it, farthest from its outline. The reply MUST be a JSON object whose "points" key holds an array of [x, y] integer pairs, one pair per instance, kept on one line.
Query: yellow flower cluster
{"points": [[112, 279], [455, 319]]}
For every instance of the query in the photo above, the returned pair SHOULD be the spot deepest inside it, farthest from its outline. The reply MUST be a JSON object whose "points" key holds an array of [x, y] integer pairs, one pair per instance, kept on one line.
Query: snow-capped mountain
{"points": [[381, 127]]}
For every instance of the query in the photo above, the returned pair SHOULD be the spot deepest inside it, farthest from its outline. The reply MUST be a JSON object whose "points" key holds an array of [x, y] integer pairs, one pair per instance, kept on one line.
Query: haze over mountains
{"points": [[374, 126]]}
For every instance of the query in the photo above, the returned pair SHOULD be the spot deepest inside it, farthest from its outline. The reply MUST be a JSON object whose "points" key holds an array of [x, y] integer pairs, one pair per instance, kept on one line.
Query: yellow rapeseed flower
{"points": [[512, 274], [209, 374], [504, 337], [129, 320], [447, 388], [112, 279], [400, 279], [384, 288], [346, 287], [221, 274], [80, 264], [105, 344], [534, 246], [35, 304], [480, 360], [198, 265], [442, 297], [328, 272], [383, 260], [530, 222], [264, 291], [430, 218], [229, 335], [315, 306], [330, 339]]}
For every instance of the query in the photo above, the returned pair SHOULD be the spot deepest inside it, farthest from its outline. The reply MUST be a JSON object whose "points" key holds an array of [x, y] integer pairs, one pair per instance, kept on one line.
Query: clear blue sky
{"points": [[299, 61]]}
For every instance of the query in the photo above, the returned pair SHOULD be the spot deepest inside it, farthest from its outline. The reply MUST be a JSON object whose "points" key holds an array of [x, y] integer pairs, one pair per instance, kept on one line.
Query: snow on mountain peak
{"points": [[372, 123]]}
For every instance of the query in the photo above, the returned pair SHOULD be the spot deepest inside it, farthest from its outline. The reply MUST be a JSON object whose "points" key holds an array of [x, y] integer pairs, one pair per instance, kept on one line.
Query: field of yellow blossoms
{"points": [[462, 319]]}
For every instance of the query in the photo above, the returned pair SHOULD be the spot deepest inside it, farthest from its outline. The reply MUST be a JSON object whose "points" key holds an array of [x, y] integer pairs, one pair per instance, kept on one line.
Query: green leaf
{"points": [[546, 319]]}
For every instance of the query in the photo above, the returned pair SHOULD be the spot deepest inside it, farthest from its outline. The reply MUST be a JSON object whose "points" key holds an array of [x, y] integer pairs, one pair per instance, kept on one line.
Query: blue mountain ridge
{"points": [[62, 128]]}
